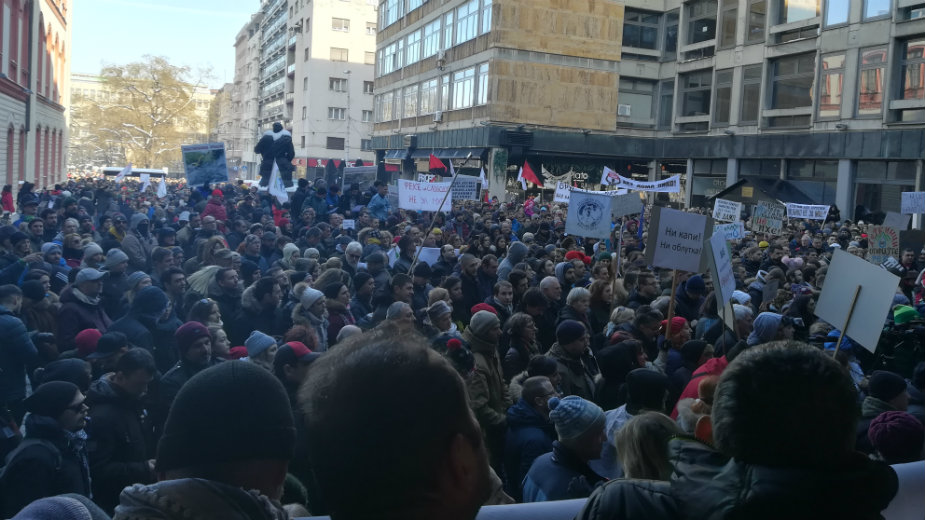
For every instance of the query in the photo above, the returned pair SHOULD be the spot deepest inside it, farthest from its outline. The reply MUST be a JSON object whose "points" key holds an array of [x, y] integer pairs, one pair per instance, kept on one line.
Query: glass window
{"points": [[368, 87], [340, 24], [670, 49], [337, 113], [391, 11], [636, 99], [701, 24], [369, 58], [792, 81], [796, 10], [836, 12], [872, 66], [486, 16], [367, 116], [751, 94], [388, 106], [695, 93], [876, 8], [445, 92], [428, 97], [727, 24], [757, 14], [759, 168], [448, 30], [482, 85], [337, 84], [371, 28], [463, 88], [722, 103], [338, 54], [830, 87], [410, 101], [640, 29], [431, 38], [666, 104], [467, 21], [413, 47], [912, 60]]}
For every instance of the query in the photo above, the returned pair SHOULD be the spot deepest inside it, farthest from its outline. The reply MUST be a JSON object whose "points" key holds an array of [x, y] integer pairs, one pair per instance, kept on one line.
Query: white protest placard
{"points": [[466, 188], [429, 255], [807, 211], [768, 217], [913, 202], [730, 231], [589, 214], [627, 204], [724, 282], [562, 192], [423, 196], [878, 286], [896, 220], [676, 239], [349, 224], [882, 243], [727, 210]]}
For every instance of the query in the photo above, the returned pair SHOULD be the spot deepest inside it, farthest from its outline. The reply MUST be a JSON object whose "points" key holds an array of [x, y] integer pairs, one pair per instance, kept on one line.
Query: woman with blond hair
{"points": [[642, 446]]}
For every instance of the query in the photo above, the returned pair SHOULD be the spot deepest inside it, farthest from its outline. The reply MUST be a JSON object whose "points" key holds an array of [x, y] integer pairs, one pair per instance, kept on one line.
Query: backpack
{"points": [[23, 446]]}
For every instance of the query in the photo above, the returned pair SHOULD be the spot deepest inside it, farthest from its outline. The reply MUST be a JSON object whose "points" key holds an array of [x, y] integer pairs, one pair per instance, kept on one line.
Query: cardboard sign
{"points": [[589, 214], [349, 224], [768, 217], [423, 196], [627, 204], [878, 286], [807, 211], [426, 177], [724, 282], [883, 242], [562, 192], [730, 231], [676, 239], [913, 203], [896, 220], [727, 210], [466, 187]]}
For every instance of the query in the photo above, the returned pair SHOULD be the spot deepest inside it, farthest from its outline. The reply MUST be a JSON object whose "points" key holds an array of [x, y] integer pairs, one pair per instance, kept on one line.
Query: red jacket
{"points": [[713, 367], [215, 209], [7, 201]]}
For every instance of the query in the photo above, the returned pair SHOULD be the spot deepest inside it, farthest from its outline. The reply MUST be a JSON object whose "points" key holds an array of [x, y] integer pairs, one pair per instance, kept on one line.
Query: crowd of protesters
{"points": [[216, 354]]}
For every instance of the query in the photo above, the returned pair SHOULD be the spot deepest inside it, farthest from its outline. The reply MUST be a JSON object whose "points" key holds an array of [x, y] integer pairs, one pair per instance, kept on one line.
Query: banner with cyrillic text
{"points": [[423, 196], [670, 185], [807, 211]]}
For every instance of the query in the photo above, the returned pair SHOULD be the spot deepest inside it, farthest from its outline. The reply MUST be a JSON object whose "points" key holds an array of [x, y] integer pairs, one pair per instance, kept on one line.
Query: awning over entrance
{"points": [[447, 153]]}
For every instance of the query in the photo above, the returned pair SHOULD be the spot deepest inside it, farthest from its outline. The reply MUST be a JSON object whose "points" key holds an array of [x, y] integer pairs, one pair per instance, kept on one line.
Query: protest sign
{"points": [[205, 163], [883, 242], [727, 210], [913, 203], [768, 217], [627, 204], [807, 211], [589, 214], [724, 282], [562, 192], [670, 185], [676, 239], [466, 188], [428, 255], [896, 220], [870, 306], [730, 231], [349, 224], [423, 196]]}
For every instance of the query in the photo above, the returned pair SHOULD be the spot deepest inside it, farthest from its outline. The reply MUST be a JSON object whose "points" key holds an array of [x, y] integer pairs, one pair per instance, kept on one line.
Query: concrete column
{"points": [[689, 184], [783, 169], [732, 171], [844, 189]]}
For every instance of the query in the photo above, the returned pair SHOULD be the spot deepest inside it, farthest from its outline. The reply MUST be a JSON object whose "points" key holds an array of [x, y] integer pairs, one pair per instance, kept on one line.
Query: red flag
{"points": [[530, 176], [436, 166]]}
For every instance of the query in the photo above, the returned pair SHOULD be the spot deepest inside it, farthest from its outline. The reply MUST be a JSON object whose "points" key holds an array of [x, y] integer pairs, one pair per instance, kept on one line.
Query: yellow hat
{"points": [[436, 231], [763, 244]]}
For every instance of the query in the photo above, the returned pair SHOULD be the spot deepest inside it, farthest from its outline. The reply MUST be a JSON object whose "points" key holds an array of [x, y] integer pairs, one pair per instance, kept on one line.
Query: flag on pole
{"points": [[527, 173], [483, 178], [162, 188], [520, 177], [276, 188], [610, 177], [125, 171], [437, 167]]}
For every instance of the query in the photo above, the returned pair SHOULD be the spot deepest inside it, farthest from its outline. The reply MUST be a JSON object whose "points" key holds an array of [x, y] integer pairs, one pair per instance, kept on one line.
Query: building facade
{"points": [[824, 95], [35, 47], [239, 146]]}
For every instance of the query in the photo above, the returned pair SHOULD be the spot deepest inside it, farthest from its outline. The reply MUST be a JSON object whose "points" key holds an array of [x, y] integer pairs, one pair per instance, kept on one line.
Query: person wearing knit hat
{"points": [[897, 437], [69, 506], [114, 257], [52, 458], [93, 256], [225, 449], [85, 342], [769, 326], [903, 314], [483, 307], [142, 325], [886, 391], [194, 346], [312, 312], [261, 349], [564, 473], [577, 365], [439, 319]]}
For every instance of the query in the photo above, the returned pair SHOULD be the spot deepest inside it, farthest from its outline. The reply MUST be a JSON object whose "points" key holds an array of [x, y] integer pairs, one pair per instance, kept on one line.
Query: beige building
{"points": [[35, 51], [239, 146]]}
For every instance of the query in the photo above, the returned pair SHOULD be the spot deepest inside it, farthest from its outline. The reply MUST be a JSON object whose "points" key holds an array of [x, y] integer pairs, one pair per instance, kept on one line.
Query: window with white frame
{"points": [[431, 39], [390, 11], [367, 116], [388, 105], [872, 67], [791, 81], [486, 16], [390, 59], [467, 21], [445, 92], [371, 28], [337, 84], [414, 4], [368, 87], [428, 97], [448, 30], [369, 58], [340, 24], [463, 88], [413, 47], [339, 54], [410, 101], [337, 113], [831, 81], [482, 85]]}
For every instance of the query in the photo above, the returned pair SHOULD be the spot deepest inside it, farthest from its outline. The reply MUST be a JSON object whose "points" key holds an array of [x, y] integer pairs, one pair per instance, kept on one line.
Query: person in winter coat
{"points": [[361, 304], [118, 430], [516, 254], [52, 459], [564, 473], [689, 298], [17, 352], [6, 200], [529, 434], [521, 333], [216, 207], [337, 299], [886, 393], [276, 147], [39, 308], [143, 326], [312, 312], [138, 243], [488, 394], [258, 310], [798, 462], [577, 365], [81, 309]]}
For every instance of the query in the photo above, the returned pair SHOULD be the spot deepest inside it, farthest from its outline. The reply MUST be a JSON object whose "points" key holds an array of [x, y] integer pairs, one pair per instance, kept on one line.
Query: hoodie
{"points": [[516, 253], [529, 435]]}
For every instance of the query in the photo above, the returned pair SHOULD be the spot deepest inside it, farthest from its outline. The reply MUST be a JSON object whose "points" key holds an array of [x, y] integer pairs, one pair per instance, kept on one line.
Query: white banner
{"points": [[670, 185], [807, 211], [727, 210], [913, 202], [423, 196], [562, 192], [125, 171], [589, 214], [162, 188]]}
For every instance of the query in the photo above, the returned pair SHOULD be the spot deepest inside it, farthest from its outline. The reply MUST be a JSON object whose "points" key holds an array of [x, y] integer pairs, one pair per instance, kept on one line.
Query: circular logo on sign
{"points": [[590, 213]]}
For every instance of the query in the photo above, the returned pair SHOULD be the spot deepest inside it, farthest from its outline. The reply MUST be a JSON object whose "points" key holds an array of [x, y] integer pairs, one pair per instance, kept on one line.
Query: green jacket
{"points": [[488, 395]]}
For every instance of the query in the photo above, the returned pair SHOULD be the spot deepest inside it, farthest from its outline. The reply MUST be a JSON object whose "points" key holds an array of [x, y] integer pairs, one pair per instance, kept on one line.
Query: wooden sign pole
{"points": [[674, 291], [841, 336]]}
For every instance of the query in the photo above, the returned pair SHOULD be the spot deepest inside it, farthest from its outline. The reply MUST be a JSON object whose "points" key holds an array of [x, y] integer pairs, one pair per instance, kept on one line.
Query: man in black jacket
{"points": [[276, 146], [119, 441]]}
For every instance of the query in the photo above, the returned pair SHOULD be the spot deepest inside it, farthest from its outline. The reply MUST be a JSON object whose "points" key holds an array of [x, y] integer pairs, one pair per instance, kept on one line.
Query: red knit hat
{"points": [[572, 255], [85, 342], [483, 307], [217, 193], [677, 323]]}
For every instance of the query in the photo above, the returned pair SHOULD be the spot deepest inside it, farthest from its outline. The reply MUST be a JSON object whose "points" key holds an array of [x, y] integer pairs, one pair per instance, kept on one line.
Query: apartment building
{"points": [[822, 98], [239, 146]]}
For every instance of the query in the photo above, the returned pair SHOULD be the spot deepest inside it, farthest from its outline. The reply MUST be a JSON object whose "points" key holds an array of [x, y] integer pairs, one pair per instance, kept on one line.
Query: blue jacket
{"points": [[16, 353], [559, 475], [380, 207], [529, 435]]}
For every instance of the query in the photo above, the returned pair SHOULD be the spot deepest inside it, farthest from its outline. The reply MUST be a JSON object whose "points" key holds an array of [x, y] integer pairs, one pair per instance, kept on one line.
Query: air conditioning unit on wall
{"points": [[438, 116], [625, 110]]}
